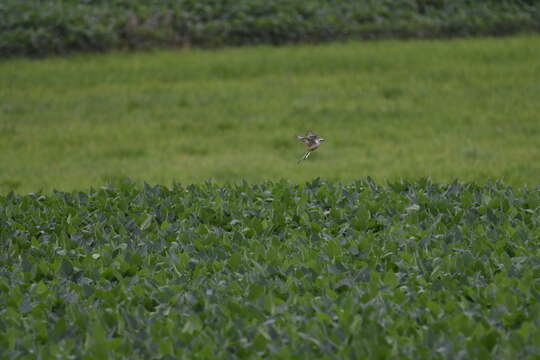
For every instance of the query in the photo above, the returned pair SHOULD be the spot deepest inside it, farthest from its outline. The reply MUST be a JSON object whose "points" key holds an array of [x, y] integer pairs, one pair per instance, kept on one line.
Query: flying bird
{"points": [[312, 141]]}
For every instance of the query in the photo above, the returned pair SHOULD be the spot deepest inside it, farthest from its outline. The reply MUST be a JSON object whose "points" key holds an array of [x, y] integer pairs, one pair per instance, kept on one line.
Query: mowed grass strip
{"points": [[464, 109]]}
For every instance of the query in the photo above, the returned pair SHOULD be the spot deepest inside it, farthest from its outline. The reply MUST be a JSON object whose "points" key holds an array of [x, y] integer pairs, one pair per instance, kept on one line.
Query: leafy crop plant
{"points": [[277, 270]]}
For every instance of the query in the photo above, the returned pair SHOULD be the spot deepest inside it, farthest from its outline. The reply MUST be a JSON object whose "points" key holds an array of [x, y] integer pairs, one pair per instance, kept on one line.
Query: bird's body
{"points": [[312, 141]]}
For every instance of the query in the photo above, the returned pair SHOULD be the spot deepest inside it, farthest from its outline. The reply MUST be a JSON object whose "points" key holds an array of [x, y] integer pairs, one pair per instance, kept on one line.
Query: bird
{"points": [[312, 141]]}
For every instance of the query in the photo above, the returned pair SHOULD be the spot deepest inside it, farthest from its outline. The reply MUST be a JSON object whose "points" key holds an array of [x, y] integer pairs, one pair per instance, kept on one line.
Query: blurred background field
{"points": [[41, 28], [452, 109]]}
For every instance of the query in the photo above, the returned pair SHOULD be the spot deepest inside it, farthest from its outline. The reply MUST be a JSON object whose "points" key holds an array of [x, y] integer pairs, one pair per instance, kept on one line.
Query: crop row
{"points": [[320, 270], [37, 27]]}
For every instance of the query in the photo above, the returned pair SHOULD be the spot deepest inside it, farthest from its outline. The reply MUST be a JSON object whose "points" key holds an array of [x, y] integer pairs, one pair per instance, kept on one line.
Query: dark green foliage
{"points": [[37, 27], [321, 270]]}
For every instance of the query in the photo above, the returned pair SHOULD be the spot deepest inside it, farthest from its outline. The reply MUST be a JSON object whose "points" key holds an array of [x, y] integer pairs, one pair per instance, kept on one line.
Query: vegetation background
{"points": [[447, 109], [40, 28], [322, 270], [458, 109], [396, 265]]}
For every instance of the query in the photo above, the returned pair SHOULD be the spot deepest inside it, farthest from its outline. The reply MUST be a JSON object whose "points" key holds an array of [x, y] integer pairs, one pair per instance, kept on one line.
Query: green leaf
{"points": [[147, 222]]}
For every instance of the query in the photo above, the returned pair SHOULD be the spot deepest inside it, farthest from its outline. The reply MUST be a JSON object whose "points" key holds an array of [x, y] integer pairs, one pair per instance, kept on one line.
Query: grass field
{"points": [[465, 109]]}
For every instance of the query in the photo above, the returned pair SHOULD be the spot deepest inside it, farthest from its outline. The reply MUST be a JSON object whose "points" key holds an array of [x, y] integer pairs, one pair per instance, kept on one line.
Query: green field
{"points": [[460, 109], [269, 265], [276, 270], [44, 28]]}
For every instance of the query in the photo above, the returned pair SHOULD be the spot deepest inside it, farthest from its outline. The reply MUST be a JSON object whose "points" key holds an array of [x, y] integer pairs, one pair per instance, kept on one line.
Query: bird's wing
{"points": [[303, 139]]}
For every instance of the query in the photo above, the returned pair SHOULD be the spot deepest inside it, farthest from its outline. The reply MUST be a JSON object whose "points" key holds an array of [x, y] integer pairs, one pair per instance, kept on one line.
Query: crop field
{"points": [[41, 28], [412, 233], [320, 270], [459, 109]]}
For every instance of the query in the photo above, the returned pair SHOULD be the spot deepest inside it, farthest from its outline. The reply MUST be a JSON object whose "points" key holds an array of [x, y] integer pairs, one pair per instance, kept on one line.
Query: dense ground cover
{"points": [[36, 27], [465, 109], [320, 270]]}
